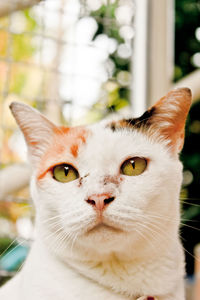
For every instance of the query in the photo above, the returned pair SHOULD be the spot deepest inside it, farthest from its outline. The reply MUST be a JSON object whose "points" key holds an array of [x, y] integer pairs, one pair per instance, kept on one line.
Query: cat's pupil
{"points": [[132, 163], [66, 170]]}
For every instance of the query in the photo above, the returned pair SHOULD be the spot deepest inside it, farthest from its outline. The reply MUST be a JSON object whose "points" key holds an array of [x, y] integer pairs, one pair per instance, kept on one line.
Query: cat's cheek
{"points": [[133, 187]]}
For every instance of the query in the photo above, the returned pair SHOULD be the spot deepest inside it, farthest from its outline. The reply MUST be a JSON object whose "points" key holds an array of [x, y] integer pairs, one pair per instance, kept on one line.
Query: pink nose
{"points": [[99, 201]]}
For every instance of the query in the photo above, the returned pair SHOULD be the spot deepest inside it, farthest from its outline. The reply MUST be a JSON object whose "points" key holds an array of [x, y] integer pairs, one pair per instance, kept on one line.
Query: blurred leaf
{"points": [[21, 47], [3, 42], [5, 243]]}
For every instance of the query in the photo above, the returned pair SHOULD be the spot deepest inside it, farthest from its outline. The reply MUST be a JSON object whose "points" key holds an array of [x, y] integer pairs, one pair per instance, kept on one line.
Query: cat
{"points": [[107, 206]]}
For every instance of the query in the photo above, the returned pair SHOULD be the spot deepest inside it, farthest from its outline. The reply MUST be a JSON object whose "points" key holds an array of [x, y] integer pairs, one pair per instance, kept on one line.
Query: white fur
{"points": [[146, 259], [69, 260]]}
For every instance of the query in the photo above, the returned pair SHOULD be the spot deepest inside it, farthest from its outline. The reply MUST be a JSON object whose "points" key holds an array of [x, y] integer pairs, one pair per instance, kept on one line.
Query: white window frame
{"points": [[153, 57]]}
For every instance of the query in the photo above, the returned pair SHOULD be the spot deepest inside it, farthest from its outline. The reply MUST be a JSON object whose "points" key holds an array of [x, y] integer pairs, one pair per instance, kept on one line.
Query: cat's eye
{"points": [[65, 173], [134, 166]]}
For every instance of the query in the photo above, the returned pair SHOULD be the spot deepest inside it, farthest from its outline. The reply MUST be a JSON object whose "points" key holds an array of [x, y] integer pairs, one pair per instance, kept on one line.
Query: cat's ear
{"points": [[165, 120], [38, 130], [168, 117]]}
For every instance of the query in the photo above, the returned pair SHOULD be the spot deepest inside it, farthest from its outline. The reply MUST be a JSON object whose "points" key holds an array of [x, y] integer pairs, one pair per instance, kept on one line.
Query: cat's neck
{"points": [[115, 270]]}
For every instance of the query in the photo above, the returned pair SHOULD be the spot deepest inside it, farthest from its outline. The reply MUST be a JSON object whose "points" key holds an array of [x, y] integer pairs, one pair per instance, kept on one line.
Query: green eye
{"points": [[134, 166], [65, 173]]}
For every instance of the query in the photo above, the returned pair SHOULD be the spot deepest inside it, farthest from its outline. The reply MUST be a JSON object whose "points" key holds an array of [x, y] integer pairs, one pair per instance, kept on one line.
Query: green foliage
{"points": [[186, 44], [21, 47], [106, 11], [5, 243], [107, 24], [18, 82], [31, 23], [117, 99]]}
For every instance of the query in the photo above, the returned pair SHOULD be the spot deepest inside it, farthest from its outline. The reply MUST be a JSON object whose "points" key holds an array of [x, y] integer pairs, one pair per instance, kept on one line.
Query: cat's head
{"points": [[107, 185]]}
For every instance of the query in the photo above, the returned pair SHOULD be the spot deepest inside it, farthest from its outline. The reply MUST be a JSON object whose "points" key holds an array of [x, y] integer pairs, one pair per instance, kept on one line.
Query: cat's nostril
{"points": [[108, 200], [92, 202]]}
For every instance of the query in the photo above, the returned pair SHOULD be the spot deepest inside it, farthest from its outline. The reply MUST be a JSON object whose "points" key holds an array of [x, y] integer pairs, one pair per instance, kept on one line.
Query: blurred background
{"points": [[77, 61]]}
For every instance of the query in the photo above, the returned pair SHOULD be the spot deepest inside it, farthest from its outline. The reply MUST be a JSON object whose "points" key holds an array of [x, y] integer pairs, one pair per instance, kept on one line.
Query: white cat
{"points": [[107, 207]]}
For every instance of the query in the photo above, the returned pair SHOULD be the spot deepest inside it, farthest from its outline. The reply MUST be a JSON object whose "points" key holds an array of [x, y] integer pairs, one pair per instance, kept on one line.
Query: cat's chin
{"points": [[103, 237], [102, 233]]}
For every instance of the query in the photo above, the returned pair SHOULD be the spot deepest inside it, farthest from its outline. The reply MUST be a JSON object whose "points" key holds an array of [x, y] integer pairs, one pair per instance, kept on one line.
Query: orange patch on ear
{"points": [[61, 130], [172, 110], [32, 143]]}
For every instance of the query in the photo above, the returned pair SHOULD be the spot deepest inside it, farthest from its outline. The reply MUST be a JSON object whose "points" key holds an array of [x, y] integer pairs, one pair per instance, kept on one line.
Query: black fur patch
{"points": [[144, 120]]}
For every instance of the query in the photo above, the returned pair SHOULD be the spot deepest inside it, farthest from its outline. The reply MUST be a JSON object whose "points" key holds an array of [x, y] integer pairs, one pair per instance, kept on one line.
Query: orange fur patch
{"points": [[33, 143], [41, 175], [74, 150], [66, 140], [176, 117], [61, 130]]}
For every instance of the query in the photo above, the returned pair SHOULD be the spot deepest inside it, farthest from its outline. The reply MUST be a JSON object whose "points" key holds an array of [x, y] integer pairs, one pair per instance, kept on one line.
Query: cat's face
{"points": [[111, 183]]}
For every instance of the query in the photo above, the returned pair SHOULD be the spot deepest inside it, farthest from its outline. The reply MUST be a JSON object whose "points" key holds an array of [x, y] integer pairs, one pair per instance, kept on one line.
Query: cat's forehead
{"points": [[103, 139], [69, 138], [96, 145], [99, 139]]}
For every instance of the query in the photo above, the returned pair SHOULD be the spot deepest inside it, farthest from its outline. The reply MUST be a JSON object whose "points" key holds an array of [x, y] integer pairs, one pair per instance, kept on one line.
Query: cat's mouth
{"points": [[100, 227]]}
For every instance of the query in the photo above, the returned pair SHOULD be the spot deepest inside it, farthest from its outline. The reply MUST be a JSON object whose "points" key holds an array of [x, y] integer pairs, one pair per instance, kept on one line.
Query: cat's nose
{"points": [[100, 201]]}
